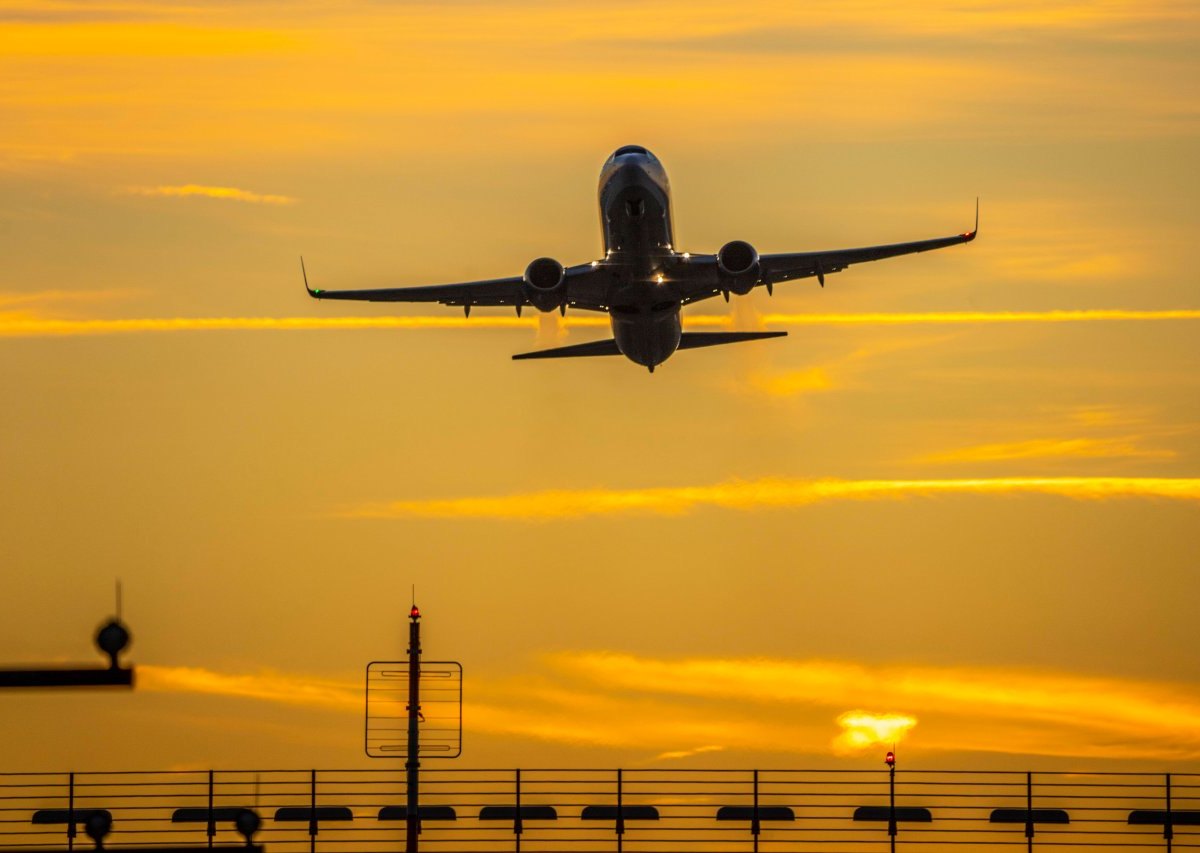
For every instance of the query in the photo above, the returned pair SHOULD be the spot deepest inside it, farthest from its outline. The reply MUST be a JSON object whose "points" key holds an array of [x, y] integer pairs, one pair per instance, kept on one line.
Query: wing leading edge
{"points": [[493, 292], [777, 268]]}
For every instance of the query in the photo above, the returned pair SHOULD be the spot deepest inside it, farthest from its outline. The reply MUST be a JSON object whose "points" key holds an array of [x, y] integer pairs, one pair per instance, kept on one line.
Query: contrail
{"points": [[767, 493], [24, 326], [222, 193], [973, 317]]}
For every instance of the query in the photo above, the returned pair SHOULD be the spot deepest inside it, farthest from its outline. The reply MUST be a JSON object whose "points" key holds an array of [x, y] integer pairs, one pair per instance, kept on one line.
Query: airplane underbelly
{"points": [[648, 339]]}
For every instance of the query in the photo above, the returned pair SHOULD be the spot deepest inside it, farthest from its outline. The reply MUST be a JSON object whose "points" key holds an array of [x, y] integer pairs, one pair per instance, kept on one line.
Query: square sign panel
{"points": [[439, 730]]}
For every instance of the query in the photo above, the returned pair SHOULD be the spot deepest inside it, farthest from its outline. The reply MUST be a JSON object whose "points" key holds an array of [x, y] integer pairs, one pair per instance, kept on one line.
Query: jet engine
{"points": [[738, 263], [545, 284]]}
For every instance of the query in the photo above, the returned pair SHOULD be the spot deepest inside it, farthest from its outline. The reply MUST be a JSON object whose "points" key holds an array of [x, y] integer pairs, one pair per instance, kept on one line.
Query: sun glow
{"points": [[862, 730]]}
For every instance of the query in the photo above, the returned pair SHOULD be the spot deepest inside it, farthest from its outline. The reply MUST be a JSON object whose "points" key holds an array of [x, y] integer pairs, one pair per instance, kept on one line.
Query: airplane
{"points": [[642, 281]]}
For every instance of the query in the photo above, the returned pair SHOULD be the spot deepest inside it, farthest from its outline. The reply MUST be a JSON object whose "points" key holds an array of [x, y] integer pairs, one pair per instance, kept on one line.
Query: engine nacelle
{"points": [[545, 284], [738, 263]]}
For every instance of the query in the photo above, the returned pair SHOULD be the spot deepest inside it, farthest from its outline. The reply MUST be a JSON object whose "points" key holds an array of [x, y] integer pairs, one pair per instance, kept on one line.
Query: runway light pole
{"points": [[890, 761], [413, 765]]}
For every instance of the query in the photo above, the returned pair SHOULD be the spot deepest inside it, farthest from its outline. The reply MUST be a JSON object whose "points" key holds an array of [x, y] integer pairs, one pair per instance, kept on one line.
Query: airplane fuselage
{"points": [[635, 217]]}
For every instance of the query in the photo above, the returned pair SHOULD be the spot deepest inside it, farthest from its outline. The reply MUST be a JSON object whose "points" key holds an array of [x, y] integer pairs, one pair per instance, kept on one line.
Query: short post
{"points": [[1029, 811], [412, 766], [1168, 828], [518, 825], [754, 825], [312, 812], [890, 761], [212, 824], [620, 813], [71, 811]]}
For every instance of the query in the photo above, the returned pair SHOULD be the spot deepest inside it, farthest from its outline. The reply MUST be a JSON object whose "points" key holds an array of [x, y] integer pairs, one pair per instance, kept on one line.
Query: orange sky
{"points": [[957, 506]]}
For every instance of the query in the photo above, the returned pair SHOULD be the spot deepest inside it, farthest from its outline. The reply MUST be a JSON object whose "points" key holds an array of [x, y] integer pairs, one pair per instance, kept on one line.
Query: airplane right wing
{"points": [[701, 279], [784, 267]]}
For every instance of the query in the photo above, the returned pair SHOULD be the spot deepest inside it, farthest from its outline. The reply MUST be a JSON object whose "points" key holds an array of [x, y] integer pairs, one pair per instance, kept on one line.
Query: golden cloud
{"points": [[1046, 448], [676, 754], [263, 686], [667, 705], [766, 493], [955, 318], [223, 193], [35, 326], [39, 327], [792, 382]]}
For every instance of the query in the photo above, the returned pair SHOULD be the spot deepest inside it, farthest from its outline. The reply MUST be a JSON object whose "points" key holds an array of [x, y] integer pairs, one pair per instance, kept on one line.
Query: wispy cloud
{"points": [[791, 383], [33, 326], [666, 706], [961, 708], [677, 754], [222, 193], [766, 493], [957, 318], [38, 327], [1054, 448], [29, 307], [264, 686]]}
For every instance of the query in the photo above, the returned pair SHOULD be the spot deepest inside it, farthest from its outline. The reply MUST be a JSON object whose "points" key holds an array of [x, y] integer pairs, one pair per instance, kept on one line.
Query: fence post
{"points": [[312, 813], [754, 826], [1029, 811], [212, 824], [892, 801], [518, 827], [1168, 826], [71, 811], [620, 813]]}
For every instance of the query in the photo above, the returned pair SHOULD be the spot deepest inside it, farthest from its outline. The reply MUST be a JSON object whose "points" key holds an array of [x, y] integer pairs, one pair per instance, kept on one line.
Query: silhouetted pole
{"points": [[413, 765], [1029, 811], [1168, 824], [890, 760]]}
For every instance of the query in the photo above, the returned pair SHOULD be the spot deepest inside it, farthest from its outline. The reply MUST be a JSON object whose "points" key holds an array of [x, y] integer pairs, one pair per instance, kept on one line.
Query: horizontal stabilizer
{"points": [[691, 340], [608, 347]]}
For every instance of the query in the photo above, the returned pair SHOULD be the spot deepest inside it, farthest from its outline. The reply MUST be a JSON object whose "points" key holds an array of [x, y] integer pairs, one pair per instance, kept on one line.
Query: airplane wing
{"points": [[792, 265], [579, 284]]}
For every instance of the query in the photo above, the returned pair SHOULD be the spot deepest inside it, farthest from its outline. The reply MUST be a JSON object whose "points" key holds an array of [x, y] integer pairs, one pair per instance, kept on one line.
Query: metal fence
{"points": [[651, 810]]}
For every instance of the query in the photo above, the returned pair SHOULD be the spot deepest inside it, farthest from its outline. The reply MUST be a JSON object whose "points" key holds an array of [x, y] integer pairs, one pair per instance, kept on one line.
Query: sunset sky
{"points": [[957, 508]]}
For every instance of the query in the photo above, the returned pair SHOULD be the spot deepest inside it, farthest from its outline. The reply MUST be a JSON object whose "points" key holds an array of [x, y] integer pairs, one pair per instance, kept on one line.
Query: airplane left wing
{"points": [[578, 283]]}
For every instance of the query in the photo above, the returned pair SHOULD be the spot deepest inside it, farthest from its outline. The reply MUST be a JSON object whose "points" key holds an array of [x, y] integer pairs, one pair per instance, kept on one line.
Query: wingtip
{"points": [[970, 235], [316, 294]]}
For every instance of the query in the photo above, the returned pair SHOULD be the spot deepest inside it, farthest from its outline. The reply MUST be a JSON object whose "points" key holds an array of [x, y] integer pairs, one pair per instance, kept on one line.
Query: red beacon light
{"points": [[890, 759], [414, 613]]}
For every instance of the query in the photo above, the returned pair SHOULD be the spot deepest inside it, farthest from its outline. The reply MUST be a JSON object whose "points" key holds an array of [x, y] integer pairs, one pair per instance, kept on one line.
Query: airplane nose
{"points": [[628, 174]]}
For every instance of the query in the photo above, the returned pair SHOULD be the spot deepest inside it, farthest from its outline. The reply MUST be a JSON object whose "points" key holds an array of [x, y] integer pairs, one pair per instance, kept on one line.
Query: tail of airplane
{"points": [[689, 340]]}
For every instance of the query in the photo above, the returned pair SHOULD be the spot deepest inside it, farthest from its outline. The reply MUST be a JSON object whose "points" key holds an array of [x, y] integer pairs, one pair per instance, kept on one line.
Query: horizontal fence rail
{"points": [[589, 811]]}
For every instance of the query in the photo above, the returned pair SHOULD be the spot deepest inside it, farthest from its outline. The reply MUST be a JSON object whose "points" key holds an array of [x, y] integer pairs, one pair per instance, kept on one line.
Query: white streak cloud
{"points": [[36, 326], [221, 193], [766, 493]]}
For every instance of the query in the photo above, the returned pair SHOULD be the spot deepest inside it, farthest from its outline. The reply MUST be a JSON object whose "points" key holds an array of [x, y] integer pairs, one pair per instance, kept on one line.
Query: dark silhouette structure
{"points": [[643, 281], [111, 638]]}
